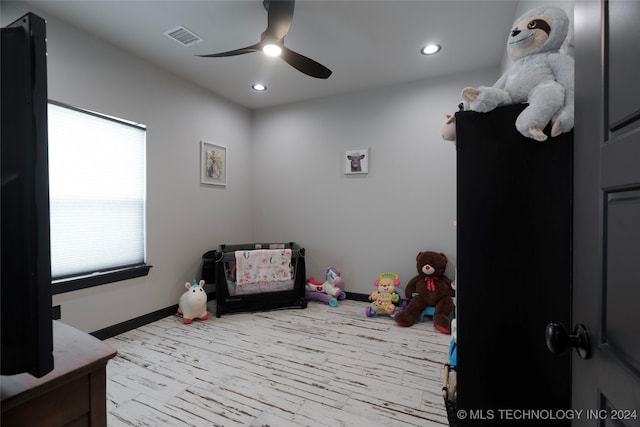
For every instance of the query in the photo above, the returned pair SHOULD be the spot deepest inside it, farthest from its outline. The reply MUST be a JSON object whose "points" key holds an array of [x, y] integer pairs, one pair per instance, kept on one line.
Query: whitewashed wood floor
{"points": [[321, 366]]}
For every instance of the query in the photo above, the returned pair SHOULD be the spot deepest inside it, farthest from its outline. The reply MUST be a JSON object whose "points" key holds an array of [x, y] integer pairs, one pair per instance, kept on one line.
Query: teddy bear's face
{"points": [[431, 263], [387, 285], [428, 269]]}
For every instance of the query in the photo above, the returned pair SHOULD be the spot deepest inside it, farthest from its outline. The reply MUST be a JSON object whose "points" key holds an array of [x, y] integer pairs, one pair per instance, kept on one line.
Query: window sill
{"points": [[99, 278]]}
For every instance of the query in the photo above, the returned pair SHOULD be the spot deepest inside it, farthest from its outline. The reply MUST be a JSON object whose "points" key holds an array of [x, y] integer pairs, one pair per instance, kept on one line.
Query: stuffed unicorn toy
{"points": [[329, 286]]}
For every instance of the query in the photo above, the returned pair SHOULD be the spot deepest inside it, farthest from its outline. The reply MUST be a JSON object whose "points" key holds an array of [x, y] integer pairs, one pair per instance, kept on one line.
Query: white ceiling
{"points": [[365, 43]]}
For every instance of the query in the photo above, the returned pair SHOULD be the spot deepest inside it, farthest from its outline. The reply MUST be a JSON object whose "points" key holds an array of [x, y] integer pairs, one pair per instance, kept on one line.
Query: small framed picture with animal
{"points": [[356, 161]]}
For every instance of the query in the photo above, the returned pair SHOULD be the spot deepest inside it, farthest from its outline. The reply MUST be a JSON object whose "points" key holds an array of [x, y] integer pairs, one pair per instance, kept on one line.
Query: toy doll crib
{"points": [[256, 276]]}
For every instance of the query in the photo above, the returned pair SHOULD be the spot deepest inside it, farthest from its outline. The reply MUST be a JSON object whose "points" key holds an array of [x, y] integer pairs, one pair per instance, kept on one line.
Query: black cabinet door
{"points": [[513, 268]]}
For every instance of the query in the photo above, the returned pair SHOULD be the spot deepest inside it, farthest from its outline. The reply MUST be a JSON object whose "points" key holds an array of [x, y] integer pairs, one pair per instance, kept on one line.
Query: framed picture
{"points": [[356, 161], [213, 163]]}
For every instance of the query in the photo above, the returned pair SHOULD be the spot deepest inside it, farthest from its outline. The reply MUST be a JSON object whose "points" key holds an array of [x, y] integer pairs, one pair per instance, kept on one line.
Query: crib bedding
{"points": [[263, 266]]}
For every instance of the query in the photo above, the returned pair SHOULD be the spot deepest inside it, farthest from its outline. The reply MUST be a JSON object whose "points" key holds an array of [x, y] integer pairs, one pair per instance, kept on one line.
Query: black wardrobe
{"points": [[513, 270]]}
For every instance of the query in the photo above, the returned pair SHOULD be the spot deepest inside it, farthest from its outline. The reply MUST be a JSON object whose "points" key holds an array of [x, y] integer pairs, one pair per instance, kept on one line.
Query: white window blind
{"points": [[97, 187]]}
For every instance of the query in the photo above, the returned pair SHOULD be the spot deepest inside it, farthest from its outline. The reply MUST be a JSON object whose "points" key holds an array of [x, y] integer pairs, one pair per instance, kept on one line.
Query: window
{"points": [[97, 187]]}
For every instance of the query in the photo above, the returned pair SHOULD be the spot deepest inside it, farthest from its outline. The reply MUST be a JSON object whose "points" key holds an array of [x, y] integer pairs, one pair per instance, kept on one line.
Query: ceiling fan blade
{"points": [[253, 48], [305, 65], [279, 17]]}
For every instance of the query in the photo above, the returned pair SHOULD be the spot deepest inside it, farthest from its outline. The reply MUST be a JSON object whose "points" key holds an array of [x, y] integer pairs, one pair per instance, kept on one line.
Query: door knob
{"points": [[558, 339]]}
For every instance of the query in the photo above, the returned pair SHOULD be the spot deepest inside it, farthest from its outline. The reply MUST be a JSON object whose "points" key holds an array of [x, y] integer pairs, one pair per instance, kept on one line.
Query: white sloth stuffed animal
{"points": [[540, 75]]}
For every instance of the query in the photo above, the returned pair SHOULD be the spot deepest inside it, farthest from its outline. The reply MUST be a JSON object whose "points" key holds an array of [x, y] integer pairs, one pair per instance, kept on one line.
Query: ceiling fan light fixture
{"points": [[272, 50], [279, 16], [430, 49], [259, 87]]}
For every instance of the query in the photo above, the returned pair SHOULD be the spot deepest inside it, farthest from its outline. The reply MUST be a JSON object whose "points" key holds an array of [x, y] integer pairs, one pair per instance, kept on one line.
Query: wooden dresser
{"points": [[73, 394]]}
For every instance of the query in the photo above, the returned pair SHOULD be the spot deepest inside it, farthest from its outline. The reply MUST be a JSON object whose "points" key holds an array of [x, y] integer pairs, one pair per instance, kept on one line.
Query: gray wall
{"points": [[285, 179], [362, 224], [184, 218]]}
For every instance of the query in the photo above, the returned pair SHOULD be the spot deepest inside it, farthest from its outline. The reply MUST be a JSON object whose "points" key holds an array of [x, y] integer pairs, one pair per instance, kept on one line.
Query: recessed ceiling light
{"points": [[272, 50], [259, 87], [430, 49]]}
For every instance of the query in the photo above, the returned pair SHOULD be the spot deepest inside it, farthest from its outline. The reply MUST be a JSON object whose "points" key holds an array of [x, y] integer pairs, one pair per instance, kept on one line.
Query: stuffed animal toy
{"points": [[384, 300], [448, 129], [541, 75], [429, 288], [193, 303], [329, 286], [327, 291]]}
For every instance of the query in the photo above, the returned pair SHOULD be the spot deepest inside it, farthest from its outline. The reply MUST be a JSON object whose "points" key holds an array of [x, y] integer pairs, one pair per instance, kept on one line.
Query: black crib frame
{"points": [[226, 303]]}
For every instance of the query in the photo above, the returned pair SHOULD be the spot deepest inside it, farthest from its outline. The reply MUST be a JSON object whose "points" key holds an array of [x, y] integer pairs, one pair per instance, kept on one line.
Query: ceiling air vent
{"points": [[183, 36]]}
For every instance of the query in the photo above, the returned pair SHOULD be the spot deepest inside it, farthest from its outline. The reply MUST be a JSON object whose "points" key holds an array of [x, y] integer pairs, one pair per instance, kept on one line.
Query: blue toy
{"points": [[426, 312]]}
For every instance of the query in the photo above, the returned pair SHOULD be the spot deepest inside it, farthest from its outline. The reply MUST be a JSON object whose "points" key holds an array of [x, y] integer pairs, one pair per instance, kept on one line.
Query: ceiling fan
{"points": [[279, 16]]}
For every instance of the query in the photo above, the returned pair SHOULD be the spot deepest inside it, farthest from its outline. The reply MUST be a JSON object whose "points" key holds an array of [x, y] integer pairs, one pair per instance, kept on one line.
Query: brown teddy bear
{"points": [[429, 288]]}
